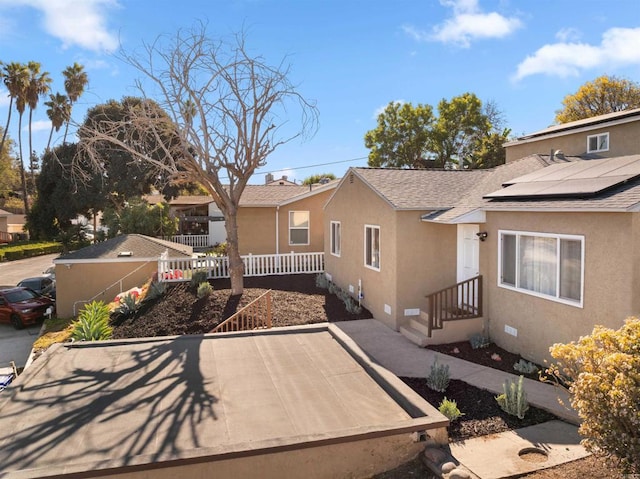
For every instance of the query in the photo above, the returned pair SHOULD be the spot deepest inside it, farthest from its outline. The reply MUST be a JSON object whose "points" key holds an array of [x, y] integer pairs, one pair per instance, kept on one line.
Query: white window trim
{"points": [[577, 304], [308, 228], [335, 251], [597, 142], [366, 264]]}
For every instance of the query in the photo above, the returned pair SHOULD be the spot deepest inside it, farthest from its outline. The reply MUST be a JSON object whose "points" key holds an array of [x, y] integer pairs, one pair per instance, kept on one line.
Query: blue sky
{"points": [[351, 56]]}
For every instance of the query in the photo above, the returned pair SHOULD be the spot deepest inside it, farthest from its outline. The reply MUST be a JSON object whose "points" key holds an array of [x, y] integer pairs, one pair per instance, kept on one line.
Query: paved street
{"points": [[16, 345], [11, 272]]}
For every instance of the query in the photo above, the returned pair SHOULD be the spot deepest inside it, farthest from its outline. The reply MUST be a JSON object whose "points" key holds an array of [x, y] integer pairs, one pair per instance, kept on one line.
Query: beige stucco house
{"points": [[102, 270], [11, 225], [551, 235], [603, 136], [275, 218]]}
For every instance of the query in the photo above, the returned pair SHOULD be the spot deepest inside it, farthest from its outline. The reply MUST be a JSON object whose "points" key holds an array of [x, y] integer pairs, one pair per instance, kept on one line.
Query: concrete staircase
{"points": [[416, 330]]}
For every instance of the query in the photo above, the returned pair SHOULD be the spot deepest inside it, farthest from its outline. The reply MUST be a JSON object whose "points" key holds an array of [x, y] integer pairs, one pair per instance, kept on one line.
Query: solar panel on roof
{"points": [[581, 178]]}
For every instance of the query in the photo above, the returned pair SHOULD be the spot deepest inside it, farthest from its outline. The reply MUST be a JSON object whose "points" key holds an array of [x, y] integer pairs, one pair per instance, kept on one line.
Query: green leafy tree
{"points": [[605, 94], [227, 109], [140, 217], [60, 198], [9, 174], [75, 81], [603, 373], [313, 179], [466, 133], [124, 176], [402, 137], [459, 129]]}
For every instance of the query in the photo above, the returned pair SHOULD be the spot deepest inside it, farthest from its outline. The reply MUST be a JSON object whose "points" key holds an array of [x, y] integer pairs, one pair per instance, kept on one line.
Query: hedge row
{"points": [[28, 250]]}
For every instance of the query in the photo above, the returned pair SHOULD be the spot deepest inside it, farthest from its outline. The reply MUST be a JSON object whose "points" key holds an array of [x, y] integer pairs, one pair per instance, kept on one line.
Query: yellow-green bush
{"points": [[603, 373], [14, 252]]}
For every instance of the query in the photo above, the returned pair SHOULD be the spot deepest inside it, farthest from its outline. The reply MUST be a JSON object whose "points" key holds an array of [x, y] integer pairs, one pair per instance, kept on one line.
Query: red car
{"points": [[21, 306]]}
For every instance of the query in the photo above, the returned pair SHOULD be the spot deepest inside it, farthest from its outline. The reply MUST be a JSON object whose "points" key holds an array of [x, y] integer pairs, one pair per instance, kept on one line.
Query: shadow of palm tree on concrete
{"points": [[108, 401]]}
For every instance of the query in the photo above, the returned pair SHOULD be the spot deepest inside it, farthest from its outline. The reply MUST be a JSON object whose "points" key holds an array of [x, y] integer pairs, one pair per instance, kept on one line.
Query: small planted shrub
{"points": [[92, 323], [198, 277], [602, 370], [479, 341], [438, 378], [450, 409], [352, 306], [333, 288], [128, 305], [514, 399], [525, 367], [322, 281], [204, 289], [156, 290]]}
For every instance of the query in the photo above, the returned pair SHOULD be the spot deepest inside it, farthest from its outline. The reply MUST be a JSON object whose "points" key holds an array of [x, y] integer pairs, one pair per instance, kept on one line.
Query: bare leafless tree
{"points": [[227, 109]]}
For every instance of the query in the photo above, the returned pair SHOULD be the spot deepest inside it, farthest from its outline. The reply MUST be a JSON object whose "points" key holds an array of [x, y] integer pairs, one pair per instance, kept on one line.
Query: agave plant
{"points": [[92, 323]]}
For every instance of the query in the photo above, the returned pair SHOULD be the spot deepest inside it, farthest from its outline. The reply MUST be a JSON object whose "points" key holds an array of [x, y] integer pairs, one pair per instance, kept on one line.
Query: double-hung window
{"points": [[335, 238], [596, 143], [298, 227], [372, 247], [541, 264]]}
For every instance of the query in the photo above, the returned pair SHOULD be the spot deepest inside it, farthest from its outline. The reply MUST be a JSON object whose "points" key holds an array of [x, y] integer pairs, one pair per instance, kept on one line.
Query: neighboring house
{"points": [[11, 226], [552, 238], [604, 136], [103, 270], [272, 218]]}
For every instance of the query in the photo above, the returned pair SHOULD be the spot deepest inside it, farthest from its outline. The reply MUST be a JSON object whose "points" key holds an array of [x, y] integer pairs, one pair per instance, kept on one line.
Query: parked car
{"points": [[50, 272], [43, 285], [22, 306]]}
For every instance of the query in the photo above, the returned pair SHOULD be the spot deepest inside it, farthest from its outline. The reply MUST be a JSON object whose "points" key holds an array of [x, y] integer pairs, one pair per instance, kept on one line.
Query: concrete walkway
{"points": [[399, 355], [495, 456]]}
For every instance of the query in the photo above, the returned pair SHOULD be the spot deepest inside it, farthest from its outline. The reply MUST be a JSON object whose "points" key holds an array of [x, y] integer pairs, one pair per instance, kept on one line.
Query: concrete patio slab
{"points": [[497, 456]]}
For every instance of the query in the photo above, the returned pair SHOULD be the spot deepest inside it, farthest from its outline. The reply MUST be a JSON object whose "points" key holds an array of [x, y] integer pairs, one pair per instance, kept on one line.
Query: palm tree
{"points": [[21, 104], [14, 76], [38, 86], [75, 80], [58, 111]]}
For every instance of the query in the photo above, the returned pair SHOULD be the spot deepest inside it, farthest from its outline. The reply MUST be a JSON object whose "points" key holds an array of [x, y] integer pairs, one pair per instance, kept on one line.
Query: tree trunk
{"points": [[4, 133], [23, 177], [236, 267]]}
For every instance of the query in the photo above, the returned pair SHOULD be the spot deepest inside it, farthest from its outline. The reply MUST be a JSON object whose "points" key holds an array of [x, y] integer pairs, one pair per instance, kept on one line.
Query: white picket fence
{"points": [[172, 270], [196, 241]]}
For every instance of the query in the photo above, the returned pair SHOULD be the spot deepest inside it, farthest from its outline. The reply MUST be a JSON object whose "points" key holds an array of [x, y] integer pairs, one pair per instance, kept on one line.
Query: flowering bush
{"points": [[603, 373]]}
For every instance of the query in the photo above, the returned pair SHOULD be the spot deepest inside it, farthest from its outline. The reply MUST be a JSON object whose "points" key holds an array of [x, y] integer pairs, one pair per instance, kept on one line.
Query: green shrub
{"points": [[525, 367], [603, 373], [198, 277], [92, 323], [128, 305], [514, 399], [322, 281], [333, 288], [450, 409], [479, 341], [352, 306], [204, 289], [438, 378], [156, 290]]}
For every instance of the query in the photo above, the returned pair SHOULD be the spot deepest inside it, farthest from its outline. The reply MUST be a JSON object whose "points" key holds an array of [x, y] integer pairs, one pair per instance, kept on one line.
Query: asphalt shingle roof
{"points": [[425, 189], [140, 246]]}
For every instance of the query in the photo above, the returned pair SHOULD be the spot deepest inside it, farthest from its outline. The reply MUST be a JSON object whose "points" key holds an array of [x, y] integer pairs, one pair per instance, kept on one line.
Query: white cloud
{"points": [[39, 125], [619, 47], [568, 34], [4, 98], [467, 24], [76, 22], [382, 108]]}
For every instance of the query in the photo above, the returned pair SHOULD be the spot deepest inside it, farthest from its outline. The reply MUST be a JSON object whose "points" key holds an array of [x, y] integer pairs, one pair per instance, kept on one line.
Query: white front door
{"points": [[468, 252]]}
